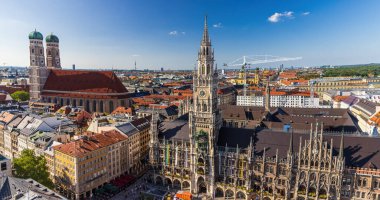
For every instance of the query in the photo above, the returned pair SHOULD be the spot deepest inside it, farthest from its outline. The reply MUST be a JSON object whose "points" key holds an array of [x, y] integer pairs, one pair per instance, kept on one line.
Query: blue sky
{"points": [[166, 33]]}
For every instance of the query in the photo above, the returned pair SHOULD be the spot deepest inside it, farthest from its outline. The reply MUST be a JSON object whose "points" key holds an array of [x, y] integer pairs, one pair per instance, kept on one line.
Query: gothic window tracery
{"points": [[365, 182], [312, 177]]}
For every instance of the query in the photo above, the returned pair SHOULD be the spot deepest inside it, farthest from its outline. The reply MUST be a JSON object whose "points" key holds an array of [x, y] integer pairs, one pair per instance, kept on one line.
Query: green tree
{"points": [[20, 96], [28, 165]]}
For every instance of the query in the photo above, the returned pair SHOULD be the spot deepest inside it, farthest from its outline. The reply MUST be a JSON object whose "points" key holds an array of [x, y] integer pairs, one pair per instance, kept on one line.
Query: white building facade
{"points": [[279, 101]]}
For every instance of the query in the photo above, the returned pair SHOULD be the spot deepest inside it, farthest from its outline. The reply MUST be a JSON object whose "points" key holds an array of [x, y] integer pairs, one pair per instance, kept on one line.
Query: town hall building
{"points": [[198, 153]]}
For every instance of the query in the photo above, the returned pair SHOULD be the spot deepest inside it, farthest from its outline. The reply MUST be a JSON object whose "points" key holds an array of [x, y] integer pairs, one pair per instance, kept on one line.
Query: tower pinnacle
{"points": [[206, 38], [341, 148]]}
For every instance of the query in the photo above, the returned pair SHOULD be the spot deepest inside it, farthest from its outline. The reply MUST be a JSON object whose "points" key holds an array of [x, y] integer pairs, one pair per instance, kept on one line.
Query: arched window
{"points": [[364, 182], [101, 106], [88, 105], [111, 106], [80, 102], [67, 102], [204, 107], [312, 177], [206, 50], [94, 106], [74, 103], [61, 102]]}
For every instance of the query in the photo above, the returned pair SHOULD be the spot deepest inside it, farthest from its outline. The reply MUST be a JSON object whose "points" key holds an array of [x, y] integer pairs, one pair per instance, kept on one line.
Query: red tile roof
{"points": [[375, 119], [97, 84], [13, 88], [340, 98], [83, 146], [123, 110], [6, 117], [288, 75]]}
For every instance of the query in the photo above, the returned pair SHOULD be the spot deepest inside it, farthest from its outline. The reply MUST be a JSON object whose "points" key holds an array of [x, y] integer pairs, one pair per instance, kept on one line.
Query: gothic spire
{"points": [[341, 149], [291, 143], [205, 38]]}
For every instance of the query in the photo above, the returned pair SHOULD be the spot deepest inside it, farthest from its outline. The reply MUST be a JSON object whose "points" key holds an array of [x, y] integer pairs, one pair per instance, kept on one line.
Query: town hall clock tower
{"points": [[204, 119]]}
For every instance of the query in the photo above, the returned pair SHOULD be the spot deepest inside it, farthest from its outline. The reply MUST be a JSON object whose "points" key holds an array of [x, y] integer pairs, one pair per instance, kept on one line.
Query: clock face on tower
{"points": [[202, 93]]}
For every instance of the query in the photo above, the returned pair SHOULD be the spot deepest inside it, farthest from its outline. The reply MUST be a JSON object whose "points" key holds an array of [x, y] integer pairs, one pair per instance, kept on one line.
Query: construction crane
{"points": [[246, 61]]}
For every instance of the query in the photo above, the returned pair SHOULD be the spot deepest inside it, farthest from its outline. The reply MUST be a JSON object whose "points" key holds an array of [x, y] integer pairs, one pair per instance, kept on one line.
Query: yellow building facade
{"points": [[84, 165]]}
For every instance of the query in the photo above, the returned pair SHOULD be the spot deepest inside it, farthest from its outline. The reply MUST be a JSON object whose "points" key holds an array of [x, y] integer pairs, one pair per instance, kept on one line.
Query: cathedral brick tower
{"points": [[204, 119], [38, 71], [53, 60]]}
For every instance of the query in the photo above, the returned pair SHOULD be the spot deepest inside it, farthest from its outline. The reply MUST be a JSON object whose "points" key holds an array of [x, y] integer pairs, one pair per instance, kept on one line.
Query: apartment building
{"points": [[364, 111], [5, 166], [5, 118], [137, 132], [84, 165]]}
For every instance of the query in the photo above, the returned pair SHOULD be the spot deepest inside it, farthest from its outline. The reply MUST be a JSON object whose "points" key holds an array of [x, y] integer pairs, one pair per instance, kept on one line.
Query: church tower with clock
{"points": [[204, 119]]}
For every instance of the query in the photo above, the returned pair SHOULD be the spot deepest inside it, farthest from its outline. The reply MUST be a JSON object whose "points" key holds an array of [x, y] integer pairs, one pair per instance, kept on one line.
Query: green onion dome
{"points": [[35, 35], [52, 38]]}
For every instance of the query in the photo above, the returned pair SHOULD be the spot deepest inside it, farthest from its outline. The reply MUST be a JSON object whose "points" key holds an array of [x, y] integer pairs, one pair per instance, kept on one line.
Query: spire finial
{"points": [[206, 21], [205, 38], [341, 149], [291, 143]]}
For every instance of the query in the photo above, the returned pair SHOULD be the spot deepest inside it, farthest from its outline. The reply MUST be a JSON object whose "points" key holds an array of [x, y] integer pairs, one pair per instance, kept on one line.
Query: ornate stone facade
{"points": [[53, 60], [195, 153], [37, 71]]}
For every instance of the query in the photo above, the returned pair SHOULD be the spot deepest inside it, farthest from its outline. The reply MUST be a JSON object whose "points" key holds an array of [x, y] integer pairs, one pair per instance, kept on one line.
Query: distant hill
{"points": [[360, 65]]}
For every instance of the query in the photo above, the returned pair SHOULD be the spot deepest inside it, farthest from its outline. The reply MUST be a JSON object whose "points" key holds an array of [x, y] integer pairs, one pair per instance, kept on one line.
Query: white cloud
{"points": [[173, 33], [218, 25], [305, 13], [135, 55], [276, 17]]}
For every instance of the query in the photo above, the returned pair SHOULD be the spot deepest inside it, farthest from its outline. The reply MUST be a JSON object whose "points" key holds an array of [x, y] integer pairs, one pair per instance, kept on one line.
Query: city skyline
{"points": [[101, 35]]}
